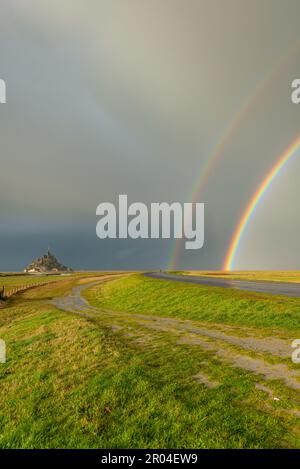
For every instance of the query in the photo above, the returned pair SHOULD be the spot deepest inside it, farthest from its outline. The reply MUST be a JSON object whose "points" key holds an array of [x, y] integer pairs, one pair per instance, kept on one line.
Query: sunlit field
{"points": [[16, 280], [148, 363], [267, 275]]}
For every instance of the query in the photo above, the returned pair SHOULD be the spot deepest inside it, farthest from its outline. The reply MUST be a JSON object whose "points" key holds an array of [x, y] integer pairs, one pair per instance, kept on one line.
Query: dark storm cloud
{"points": [[110, 97]]}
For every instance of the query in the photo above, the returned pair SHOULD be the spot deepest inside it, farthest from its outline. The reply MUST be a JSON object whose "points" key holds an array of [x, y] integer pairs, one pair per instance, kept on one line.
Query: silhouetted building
{"points": [[46, 264]]}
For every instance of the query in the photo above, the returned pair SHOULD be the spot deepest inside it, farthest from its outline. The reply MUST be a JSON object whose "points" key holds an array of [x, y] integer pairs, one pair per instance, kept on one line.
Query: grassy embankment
{"points": [[200, 303], [292, 276], [11, 280], [74, 382]]}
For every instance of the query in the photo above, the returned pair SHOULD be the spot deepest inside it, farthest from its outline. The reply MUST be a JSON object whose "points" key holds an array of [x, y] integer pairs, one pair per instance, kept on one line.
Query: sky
{"points": [[109, 97]]}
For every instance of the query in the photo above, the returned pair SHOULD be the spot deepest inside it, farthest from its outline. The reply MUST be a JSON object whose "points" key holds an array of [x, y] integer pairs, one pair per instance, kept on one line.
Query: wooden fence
{"points": [[5, 294]]}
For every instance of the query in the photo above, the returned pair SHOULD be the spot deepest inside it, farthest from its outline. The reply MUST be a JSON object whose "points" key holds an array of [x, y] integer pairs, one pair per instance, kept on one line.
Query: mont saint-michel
{"points": [[46, 264]]}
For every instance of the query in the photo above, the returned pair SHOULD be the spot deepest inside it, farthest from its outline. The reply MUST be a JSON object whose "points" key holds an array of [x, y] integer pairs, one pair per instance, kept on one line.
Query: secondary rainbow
{"points": [[291, 151], [228, 135]]}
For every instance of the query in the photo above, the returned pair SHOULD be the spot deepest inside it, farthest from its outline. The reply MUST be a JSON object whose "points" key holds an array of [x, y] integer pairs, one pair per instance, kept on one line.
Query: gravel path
{"points": [[235, 346]]}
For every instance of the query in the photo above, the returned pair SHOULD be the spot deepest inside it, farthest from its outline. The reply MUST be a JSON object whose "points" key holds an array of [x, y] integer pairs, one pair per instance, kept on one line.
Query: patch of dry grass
{"points": [[260, 275]]}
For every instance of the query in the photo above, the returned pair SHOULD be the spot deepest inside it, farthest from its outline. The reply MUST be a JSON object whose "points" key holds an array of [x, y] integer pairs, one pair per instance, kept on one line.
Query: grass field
{"points": [[197, 302], [265, 275], [12, 280], [151, 364]]}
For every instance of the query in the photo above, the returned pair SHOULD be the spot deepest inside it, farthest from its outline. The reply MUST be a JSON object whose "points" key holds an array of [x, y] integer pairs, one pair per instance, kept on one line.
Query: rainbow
{"points": [[227, 137], [208, 168], [254, 202]]}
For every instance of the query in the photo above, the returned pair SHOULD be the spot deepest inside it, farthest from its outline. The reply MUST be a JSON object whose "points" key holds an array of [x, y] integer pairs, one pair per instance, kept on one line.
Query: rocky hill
{"points": [[45, 264]]}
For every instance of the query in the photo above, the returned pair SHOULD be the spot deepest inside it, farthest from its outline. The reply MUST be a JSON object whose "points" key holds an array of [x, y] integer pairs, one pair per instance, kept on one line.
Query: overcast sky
{"points": [[108, 97]]}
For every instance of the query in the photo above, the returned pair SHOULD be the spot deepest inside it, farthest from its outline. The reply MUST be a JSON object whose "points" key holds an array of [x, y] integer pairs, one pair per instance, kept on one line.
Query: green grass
{"points": [[210, 304], [72, 382], [11, 281]]}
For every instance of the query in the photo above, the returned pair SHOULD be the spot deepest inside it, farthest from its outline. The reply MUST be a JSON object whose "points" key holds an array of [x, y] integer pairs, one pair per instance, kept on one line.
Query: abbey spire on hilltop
{"points": [[46, 264]]}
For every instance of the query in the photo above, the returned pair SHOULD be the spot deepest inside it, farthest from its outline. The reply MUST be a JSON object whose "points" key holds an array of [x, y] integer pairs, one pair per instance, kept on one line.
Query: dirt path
{"points": [[74, 302], [234, 345]]}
